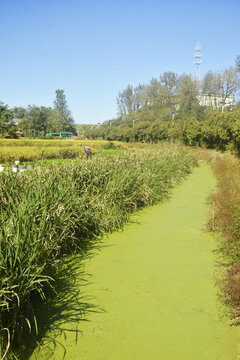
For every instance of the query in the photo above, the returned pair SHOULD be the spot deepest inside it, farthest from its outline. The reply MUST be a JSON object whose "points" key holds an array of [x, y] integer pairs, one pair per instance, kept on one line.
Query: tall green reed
{"points": [[57, 209]]}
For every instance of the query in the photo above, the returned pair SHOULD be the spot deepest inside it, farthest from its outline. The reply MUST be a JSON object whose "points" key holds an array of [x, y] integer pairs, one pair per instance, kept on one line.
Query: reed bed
{"points": [[55, 210]]}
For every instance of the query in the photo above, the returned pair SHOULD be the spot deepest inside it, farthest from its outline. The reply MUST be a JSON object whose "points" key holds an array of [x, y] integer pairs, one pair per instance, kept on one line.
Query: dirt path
{"points": [[154, 282]]}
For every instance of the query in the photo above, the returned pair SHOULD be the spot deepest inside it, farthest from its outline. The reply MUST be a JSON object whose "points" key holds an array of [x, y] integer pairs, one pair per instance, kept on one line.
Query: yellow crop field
{"points": [[37, 149]]}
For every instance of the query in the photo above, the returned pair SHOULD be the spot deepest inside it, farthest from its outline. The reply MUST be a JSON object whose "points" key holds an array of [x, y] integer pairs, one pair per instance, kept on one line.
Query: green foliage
{"points": [[160, 92], [191, 133], [19, 112], [58, 208], [7, 128], [67, 154], [62, 115], [196, 127], [187, 93], [109, 146], [36, 121], [169, 107]]}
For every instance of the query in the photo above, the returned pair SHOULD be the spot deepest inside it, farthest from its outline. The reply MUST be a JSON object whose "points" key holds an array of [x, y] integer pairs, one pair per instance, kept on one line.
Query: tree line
{"points": [[36, 121], [172, 90], [169, 107], [154, 111]]}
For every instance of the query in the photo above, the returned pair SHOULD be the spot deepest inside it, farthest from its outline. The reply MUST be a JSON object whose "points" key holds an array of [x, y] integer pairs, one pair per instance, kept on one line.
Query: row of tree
{"points": [[169, 108], [215, 129], [173, 91], [37, 120], [147, 106]]}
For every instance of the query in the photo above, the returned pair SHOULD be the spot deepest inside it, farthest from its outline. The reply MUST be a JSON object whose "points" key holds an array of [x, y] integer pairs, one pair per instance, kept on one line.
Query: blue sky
{"points": [[94, 49]]}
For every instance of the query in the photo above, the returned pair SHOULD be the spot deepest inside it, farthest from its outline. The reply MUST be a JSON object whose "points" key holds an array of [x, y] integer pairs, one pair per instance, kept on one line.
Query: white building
{"points": [[215, 101]]}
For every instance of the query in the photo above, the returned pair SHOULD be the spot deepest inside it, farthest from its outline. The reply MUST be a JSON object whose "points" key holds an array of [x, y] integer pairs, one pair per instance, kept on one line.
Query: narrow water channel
{"points": [[154, 283]]}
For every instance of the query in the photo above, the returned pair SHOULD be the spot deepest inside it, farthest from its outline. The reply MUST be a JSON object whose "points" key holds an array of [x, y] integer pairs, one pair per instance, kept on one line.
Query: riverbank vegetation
{"points": [[210, 128], [55, 210], [225, 221]]}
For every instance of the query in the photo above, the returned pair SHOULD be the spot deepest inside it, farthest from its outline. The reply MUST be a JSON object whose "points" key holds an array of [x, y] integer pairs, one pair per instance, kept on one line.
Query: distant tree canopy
{"points": [[63, 120], [7, 127], [171, 90], [238, 64], [168, 107], [223, 83], [36, 121], [19, 112], [160, 92]]}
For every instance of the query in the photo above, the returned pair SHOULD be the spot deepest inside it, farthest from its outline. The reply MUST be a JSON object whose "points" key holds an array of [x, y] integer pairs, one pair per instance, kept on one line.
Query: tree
{"points": [[187, 93], [37, 120], [224, 83], [7, 128], [126, 101], [154, 92], [211, 83], [230, 82], [19, 112], [140, 97], [62, 118], [169, 84], [238, 63]]}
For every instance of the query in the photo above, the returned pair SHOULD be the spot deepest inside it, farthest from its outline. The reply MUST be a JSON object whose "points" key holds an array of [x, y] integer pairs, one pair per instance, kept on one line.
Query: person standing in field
{"points": [[87, 151]]}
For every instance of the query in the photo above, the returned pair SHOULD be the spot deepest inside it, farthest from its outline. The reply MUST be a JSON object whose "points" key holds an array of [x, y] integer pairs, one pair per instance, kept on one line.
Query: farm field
{"points": [[61, 208], [149, 292], [29, 150]]}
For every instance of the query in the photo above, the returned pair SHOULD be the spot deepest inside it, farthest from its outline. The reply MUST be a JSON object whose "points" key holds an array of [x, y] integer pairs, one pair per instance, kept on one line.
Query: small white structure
{"points": [[215, 101]]}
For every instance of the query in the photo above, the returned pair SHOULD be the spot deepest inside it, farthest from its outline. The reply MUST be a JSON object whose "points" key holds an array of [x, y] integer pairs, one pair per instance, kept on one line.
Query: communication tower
{"points": [[197, 61]]}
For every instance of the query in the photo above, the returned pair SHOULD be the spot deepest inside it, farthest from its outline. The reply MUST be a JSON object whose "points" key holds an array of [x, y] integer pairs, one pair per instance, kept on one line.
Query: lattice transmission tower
{"points": [[197, 61]]}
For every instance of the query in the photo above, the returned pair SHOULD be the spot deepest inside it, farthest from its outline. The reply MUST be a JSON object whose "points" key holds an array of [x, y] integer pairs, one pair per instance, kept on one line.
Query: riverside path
{"points": [[154, 281]]}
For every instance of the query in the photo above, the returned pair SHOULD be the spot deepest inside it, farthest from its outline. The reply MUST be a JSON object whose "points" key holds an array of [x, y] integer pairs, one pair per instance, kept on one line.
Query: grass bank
{"points": [[226, 222], [54, 210]]}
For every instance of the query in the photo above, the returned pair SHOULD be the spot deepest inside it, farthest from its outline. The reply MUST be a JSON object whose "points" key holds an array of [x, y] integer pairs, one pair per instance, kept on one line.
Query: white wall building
{"points": [[215, 100]]}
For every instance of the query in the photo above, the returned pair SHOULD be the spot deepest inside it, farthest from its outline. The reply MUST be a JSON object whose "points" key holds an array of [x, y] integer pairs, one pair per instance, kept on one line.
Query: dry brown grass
{"points": [[226, 203]]}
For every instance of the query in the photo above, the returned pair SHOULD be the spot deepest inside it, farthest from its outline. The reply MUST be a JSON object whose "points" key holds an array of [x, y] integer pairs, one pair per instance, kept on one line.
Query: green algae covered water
{"points": [[154, 284]]}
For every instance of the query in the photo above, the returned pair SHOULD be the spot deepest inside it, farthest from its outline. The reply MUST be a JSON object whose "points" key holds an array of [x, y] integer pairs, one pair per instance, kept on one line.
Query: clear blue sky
{"points": [[94, 49]]}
